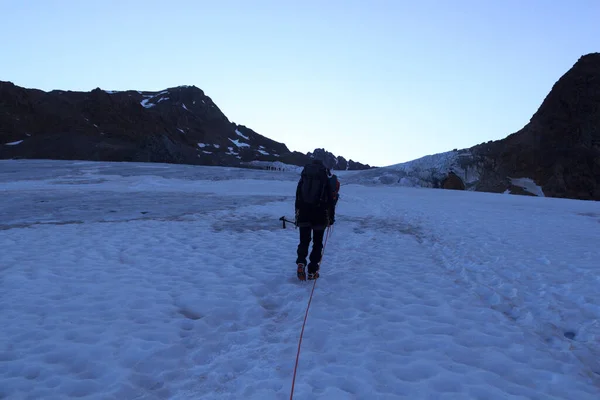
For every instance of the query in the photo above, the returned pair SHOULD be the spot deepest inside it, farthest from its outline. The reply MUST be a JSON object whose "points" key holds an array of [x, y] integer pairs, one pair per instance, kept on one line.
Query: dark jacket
{"points": [[315, 217]]}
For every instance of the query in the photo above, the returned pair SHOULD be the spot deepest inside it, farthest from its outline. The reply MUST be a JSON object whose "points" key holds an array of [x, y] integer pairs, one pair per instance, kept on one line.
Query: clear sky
{"points": [[380, 82]]}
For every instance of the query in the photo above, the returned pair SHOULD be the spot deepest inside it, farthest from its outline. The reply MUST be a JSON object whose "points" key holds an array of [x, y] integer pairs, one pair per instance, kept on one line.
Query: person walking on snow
{"points": [[314, 213]]}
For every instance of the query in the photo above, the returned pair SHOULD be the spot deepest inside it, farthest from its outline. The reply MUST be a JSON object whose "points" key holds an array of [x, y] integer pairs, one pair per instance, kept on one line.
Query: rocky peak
{"points": [[576, 93], [335, 163], [557, 154], [178, 125], [571, 111], [559, 149]]}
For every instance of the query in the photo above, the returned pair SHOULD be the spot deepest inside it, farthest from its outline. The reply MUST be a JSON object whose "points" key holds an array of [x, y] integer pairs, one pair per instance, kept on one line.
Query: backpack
{"points": [[314, 181], [335, 187]]}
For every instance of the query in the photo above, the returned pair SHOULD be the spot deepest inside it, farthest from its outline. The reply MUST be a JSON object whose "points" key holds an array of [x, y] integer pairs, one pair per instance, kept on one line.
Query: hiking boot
{"points": [[301, 272], [313, 275]]}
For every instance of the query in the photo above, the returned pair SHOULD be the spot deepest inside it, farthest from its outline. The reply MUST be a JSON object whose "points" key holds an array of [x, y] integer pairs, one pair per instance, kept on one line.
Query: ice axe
{"points": [[283, 220]]}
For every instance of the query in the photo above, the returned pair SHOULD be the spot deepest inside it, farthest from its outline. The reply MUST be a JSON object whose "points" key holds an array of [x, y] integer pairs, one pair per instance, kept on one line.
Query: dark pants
{"points": [[317, 249]]}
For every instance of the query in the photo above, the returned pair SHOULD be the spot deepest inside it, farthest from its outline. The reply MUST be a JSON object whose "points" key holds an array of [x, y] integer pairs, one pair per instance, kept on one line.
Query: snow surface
{"points": [[238, 143], [146, 103], [231, 152], [148, 97], [529, 185], [13, 143], [425, 171], [241, 134], [152, 281], [201, 145], [437, 161], [184, 107], [274, 165]]}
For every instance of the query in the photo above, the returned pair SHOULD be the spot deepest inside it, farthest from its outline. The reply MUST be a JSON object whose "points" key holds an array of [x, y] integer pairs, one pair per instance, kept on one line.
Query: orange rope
{"points": [[306, 316]]}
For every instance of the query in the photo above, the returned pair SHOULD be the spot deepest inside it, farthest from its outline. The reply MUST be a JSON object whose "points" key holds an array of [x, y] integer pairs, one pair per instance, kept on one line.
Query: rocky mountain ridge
{"points": [[175, 125], [557, 154]]}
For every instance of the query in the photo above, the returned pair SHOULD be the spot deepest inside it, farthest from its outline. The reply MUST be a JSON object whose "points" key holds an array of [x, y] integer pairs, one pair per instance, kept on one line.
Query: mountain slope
{"points": [[559, 149], [557, 154], [176, 125]]}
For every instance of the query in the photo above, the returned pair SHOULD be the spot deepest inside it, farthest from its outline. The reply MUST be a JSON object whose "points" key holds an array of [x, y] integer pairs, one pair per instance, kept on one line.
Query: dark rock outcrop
{"points": [[559, 149], [176, 125], [557, 154], [453, 182], [337, 163]]}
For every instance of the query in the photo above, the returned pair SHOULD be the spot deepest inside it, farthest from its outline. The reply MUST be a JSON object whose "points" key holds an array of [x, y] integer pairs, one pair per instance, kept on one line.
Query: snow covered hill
{"points": [[156, 281], [431, 172], [428, 171]]}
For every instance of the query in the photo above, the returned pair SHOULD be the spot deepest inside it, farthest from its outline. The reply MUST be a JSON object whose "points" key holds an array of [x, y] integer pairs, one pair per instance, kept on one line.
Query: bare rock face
{"points": [[175, 125], [336, 163], [557, 154], [559, 149]]}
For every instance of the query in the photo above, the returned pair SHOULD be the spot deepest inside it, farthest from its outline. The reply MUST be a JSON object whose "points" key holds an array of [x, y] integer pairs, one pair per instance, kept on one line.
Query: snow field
{"points": [[424, 293]]}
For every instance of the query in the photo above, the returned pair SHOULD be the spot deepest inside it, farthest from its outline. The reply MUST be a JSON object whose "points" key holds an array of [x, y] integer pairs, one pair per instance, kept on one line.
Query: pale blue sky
{"points": [[379, 82]]}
